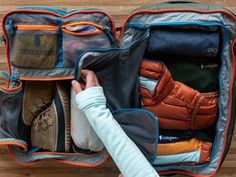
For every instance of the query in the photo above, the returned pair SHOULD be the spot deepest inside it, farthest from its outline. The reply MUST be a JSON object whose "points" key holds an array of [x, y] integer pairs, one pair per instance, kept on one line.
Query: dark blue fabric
{"points": [[142, 128], [185, 42], [171, 136]]}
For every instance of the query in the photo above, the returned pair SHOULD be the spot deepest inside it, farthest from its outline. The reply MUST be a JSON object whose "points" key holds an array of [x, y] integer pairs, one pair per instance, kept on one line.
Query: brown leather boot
{"points": [[50, 130], [38, 96]]}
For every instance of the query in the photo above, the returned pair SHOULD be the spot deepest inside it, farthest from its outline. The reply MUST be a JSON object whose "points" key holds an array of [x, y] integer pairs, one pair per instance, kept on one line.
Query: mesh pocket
{"points": [[73, 46], [34, 49], [82, 28]]}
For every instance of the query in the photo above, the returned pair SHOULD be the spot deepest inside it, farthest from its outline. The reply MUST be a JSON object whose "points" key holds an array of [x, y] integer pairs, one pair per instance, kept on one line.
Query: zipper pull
{"points": [[108, 32], [147, 26], [12, 78], [11, 27], [3, 39], [34, 149]]}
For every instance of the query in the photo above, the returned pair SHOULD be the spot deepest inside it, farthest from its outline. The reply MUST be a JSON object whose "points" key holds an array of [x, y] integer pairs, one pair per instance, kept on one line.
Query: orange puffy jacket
{"points": [[176, 105]]}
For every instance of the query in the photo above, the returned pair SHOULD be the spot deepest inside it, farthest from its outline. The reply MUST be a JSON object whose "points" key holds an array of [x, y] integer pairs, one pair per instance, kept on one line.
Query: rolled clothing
{"points": [[183, 42], [193, 158], [82, 133], [184, 146], [124, 152], [177, 106], [191, 151]]}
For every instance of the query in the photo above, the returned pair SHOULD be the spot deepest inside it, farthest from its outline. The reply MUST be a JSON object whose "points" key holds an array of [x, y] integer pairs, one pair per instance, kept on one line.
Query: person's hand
{"points": [[120, 175], [90, 81]]}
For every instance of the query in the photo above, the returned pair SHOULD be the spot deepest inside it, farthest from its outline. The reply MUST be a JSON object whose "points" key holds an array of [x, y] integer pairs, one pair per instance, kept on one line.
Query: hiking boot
{"points": [[50, 130], [37, 97]]}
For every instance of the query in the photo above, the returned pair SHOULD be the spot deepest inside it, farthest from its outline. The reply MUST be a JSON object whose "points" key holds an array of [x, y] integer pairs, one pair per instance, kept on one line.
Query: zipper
{"points": [[78, 66], [109, 34], [158, 11], [143, 25], [12, 78], [225, 32], [76, 28], [82, 28], [64, 13], [35, 27]]}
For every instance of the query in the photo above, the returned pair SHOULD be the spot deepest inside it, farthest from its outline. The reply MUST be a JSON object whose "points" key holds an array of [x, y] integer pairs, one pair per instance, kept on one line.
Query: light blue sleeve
{"points": [[122, 149]]}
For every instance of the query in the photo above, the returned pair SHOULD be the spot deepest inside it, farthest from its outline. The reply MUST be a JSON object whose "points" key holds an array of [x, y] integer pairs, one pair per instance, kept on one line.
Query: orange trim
{"points": [[82, 23], [36, 27], [62, 161], [82, 34], [179, 147], [50, 13], [19, 162], [54, 28], [15, 144], [11, 89], [172, 10], [98, 31], [83, 164], [69, 153], [232, 78], [230, 100], [227, 126], [46, 79]]}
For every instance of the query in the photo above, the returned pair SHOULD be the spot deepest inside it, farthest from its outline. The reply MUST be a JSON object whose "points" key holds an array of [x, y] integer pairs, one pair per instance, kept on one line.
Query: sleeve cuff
{"points": [[90, 97]]}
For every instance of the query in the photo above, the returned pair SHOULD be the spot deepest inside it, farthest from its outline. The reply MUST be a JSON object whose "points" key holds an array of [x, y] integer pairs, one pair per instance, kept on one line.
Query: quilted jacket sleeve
{"points": [[124, 152]]}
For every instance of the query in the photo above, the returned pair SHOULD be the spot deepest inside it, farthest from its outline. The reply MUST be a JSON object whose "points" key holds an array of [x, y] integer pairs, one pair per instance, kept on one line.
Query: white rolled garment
{"points": [[82, 133], [127, 156]]}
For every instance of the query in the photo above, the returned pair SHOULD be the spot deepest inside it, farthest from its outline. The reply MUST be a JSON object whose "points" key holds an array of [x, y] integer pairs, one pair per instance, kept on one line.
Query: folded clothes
{"points": [[171, 136], [177, 106], [191, 151], [202, 72], [185, 42], [183, 147]]}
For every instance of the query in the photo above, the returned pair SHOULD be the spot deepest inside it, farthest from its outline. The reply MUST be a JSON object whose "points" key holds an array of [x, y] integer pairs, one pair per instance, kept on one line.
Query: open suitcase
{"points": [[169, 81]]}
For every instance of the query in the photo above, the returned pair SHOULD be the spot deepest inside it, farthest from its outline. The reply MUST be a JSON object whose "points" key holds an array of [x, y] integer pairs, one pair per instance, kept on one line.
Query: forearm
{"points": [[124, 152]]}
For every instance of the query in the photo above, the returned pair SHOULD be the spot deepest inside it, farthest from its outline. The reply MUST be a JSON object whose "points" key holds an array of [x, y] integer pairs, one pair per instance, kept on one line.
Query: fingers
{"points": [[90, 78], [90, 81], [76, 86]]}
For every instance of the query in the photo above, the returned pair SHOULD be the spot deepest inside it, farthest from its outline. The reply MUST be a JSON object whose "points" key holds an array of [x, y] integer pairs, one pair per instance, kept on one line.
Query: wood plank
{"points": [[119, 9]]}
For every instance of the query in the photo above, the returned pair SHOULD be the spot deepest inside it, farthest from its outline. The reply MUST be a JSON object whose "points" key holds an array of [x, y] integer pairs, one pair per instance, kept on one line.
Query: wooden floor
{"points": [[119, 9]]}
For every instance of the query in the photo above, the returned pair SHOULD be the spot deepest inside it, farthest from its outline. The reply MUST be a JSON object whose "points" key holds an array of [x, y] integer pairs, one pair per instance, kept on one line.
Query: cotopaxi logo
{"points": [[38, 52]]}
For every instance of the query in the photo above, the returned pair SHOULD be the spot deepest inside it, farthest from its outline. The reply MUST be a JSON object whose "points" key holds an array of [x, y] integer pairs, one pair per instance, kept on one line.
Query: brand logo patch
{"points": [[212, 50], [38, 53]]}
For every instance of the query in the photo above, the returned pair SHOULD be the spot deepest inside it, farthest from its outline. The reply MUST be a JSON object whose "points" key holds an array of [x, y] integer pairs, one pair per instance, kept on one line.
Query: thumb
{"points": [[76, 86]]}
